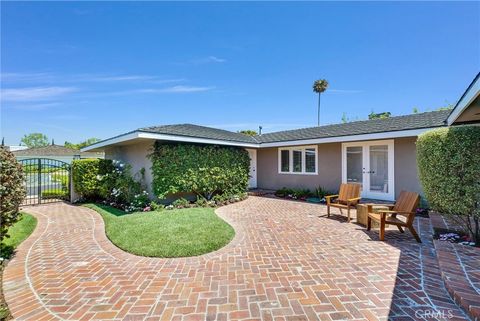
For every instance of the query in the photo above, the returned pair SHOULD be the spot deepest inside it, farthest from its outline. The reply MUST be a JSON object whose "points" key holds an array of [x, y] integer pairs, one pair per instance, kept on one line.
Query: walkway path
{"points": [[285, 263]]}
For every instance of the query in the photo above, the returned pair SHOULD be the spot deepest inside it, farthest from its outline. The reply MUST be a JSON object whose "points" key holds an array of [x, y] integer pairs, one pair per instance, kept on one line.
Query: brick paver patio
{"points": [[287, 262]]}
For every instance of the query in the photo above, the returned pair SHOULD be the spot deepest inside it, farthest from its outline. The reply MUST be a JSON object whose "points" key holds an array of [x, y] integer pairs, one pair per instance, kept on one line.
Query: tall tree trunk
{"points": [[318, 111]]}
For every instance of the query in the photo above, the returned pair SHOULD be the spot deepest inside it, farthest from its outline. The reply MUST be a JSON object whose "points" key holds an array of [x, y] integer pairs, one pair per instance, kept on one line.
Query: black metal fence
{"points": [[46, 180]]}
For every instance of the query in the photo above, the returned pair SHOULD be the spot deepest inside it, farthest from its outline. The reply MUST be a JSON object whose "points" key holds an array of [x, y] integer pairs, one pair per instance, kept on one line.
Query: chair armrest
{"points": [[373, 215], [329, 198], [354, 199], [395, 212]]}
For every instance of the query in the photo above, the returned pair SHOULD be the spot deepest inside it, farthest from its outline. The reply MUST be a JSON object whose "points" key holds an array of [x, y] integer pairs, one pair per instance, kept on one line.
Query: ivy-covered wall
{"points": [[205, 170]]}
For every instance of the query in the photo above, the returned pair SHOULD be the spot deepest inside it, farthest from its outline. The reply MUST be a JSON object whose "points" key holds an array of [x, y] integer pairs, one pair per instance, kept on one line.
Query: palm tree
{"points": [[319, 86]]}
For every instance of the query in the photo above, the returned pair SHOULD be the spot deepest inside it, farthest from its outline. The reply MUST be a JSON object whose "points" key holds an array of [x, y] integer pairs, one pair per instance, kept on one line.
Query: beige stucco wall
{"points": [[330, 168], [135, 155], [406, 174]]}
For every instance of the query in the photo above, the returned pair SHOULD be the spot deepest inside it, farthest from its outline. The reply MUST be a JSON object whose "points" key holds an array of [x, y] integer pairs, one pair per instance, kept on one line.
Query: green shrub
{"points": [[181, 203], [283, 192], [111, 181], [154, 206], [54, 193], [201, 202], [449, 170], [202, 169], [321, 192], [86, 175], [294, 193], [12, 191]]}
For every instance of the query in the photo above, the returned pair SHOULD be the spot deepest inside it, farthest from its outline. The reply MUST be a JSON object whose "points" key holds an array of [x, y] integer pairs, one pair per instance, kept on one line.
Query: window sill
{"points": [[297, 173]]}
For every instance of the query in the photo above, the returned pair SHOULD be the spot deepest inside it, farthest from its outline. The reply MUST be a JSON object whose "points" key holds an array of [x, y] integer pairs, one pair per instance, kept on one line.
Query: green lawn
{"points": [[18, 233], [167, 233]]}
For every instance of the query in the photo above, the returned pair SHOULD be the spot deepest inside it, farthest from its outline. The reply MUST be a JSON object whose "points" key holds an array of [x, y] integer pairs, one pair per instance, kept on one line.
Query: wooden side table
{"points": [[362, 213]]}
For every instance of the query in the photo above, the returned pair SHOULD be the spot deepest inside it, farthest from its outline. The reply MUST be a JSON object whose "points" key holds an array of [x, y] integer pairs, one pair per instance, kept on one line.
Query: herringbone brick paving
{"points": [[287, 262]]}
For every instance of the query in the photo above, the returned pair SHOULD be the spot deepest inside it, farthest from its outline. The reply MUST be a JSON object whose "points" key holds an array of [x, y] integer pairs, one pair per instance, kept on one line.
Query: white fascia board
{"points": [[154, 136], [174, 138], [111, 141], [350, 138], [466, 100]]}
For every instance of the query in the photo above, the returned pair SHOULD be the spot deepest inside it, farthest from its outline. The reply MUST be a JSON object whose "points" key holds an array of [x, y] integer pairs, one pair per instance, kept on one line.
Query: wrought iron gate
{"points": [[46, 180]]}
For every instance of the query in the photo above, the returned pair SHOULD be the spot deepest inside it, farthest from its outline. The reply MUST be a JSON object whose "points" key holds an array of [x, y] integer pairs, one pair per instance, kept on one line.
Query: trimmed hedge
{"points": [[449, 170], [86, 174], [206, 170]]}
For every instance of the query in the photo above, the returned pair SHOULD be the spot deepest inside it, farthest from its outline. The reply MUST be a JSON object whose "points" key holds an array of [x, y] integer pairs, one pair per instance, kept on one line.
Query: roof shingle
{"points": [[413, 121], [53, 150], [190, 130]]}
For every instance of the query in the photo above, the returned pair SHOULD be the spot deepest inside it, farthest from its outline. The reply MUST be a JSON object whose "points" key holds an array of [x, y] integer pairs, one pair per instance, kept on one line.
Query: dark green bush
{"points": [[202, 169], [12, 191], [449, 170]]}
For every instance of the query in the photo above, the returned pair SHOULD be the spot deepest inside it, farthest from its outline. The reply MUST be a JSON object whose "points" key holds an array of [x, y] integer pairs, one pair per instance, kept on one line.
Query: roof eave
{"points": [[470, 94], [141, 134]]}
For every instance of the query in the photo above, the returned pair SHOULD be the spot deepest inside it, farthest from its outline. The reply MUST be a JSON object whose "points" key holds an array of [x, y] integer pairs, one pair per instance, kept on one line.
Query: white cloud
{"points": [[26, 77], [35, 93], [175, 89], [206, 60], [49, 77], [34, 106], [116, 78], [216, 59]]}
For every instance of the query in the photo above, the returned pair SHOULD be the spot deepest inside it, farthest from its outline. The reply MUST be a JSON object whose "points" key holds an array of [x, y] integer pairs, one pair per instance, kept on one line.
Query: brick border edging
{"points": [[453, 273]]}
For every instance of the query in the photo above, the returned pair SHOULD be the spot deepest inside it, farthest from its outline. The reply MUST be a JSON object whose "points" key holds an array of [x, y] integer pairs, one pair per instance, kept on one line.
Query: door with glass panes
{"points": [[370, 164]]}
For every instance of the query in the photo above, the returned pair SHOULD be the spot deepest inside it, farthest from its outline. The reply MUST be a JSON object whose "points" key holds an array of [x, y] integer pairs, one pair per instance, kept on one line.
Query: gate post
{"points": [[39, 181]]}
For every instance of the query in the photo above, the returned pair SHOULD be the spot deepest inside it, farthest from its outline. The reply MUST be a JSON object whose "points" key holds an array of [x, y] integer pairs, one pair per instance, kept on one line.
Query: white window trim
{"points": [[290, 165]]}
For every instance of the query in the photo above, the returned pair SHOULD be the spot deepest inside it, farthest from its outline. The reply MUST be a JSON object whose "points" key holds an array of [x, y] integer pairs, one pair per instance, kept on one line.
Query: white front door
{"points": [[370, 164], [252, 182]]}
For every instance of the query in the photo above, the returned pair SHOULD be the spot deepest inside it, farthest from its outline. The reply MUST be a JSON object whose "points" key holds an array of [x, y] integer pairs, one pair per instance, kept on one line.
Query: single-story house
{"points": [[380, 154], [55, 152]]}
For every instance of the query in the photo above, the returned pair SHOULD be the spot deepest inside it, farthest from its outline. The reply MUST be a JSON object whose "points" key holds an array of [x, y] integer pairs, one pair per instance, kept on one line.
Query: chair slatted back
{"points": [[348, 191], [407, 202]]}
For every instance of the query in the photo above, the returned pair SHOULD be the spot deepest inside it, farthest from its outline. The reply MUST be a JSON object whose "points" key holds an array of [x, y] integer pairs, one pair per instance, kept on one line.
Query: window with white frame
{"points": [[297, 160]]}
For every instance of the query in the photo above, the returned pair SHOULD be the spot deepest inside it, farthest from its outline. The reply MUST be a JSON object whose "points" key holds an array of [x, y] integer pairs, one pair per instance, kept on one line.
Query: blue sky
{"points": [[79, 70]]}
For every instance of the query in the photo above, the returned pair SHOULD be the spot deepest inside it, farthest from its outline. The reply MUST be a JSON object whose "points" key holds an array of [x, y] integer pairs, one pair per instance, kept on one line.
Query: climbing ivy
{"points": [[206, 170]]}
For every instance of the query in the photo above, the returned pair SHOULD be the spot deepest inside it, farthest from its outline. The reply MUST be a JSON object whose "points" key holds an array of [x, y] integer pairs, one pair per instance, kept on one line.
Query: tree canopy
{"points": [[85, 143], [385, 114], [248, 132], [320, 85], [35, 140]]}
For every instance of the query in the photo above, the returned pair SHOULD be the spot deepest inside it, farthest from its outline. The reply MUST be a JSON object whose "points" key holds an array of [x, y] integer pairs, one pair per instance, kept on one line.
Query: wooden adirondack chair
{"points": [[348, 197], [405, 205]]}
